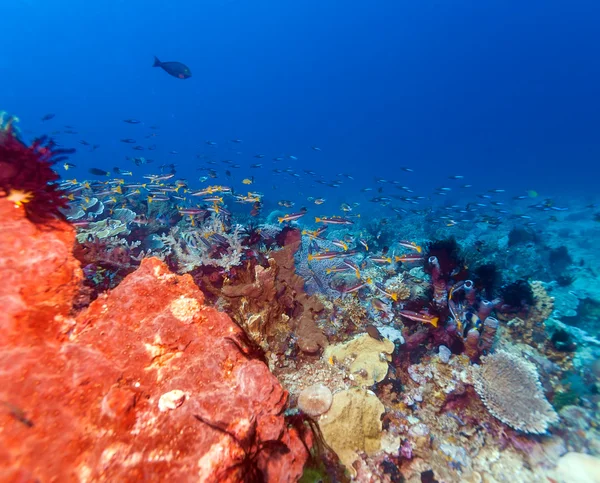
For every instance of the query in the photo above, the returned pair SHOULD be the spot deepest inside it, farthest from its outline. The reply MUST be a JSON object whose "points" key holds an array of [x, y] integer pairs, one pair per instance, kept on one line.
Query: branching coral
{"points": [[26, 174], [210, 245], [399, 286], [351, 310], [511, 391], [102, 229]]}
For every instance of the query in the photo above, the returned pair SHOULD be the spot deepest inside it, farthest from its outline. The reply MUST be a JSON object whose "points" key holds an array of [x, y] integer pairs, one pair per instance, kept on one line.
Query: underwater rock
{"points": [[366, 358], [444, 354], [353, 424], [39, 274], [149, 382], [510, 388], [315, 400], [577, 468]]}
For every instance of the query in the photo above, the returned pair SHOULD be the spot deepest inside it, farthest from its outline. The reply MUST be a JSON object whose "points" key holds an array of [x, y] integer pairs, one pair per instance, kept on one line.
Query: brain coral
{"points": [[509, 387]]}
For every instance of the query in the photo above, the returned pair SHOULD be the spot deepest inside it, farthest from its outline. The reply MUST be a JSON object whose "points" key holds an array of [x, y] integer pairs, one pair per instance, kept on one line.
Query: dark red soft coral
{"points": [[27, 177]]}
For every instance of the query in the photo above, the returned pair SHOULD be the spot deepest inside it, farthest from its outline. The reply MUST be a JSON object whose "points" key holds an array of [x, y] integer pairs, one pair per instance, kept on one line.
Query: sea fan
{"points": [[26, 174]]}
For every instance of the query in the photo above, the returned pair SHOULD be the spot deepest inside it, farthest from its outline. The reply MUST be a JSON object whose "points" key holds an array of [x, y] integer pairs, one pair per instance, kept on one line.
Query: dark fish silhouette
{"points": [[47, 117], [99, 172], [176, 69]]}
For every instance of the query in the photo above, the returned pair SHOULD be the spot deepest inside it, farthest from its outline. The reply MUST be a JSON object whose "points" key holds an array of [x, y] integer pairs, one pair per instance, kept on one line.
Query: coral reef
{"points": [[577, 468], [413, 364], [271, 304], [353, 424], [315, 400], [76, 402], [212, 245], [510, 389], [365, 358]]}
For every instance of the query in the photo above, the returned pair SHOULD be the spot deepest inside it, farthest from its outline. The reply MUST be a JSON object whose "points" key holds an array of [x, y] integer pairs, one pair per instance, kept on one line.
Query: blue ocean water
{"points": [[503, 93]]}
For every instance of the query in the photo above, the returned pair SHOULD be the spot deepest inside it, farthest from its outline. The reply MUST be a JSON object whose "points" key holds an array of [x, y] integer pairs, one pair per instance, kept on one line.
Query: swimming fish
{"points": [[99, 172], [291, 216], [176, 69]]}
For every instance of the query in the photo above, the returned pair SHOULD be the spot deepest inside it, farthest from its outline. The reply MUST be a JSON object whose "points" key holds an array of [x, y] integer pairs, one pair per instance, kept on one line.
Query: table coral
{"points": [[509, 387]]}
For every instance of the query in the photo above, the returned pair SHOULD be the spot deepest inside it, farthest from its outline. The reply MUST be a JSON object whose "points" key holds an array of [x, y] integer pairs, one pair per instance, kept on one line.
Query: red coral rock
{"points": [[87, 408], [38, 276]]}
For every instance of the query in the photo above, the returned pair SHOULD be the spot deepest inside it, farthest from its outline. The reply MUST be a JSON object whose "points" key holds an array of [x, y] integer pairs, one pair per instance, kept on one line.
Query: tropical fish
{"points": [[354, 288], [409, 258], [420, 317], [176, 69], [334, 221], [98, 172], [340, 244], [291, 216], [323, 255], [122, 172], [410, 245], [353, 266]]}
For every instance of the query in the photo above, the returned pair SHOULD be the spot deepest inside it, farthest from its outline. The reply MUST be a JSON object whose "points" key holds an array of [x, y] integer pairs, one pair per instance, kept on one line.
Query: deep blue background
{"points": [[504, 92]]}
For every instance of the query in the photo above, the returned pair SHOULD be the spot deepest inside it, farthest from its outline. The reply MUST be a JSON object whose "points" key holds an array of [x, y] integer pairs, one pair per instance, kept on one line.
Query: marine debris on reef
{"points": [[195, 330]]}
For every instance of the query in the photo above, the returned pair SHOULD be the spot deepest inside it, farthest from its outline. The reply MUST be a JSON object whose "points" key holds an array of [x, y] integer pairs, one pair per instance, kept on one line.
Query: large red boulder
{"points": [[38, 276], [147, 384]]}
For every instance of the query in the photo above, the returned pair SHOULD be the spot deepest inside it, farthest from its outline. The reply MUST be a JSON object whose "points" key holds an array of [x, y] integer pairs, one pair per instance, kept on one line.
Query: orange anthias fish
{"points": [[420, 317]]}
